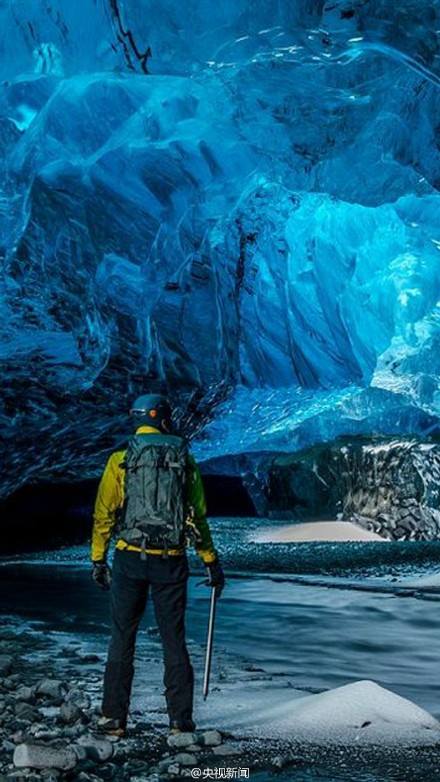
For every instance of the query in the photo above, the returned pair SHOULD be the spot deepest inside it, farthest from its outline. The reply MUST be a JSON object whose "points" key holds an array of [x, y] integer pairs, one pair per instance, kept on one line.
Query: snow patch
{"points": [[315, 530], [359, 713]]}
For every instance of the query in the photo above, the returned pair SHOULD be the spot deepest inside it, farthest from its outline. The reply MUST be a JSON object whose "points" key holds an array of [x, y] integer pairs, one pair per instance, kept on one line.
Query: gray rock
{"points": [[6, 662], [79, 698], [80, 752], [52, 688], [193, 748], [50, 775], [17, 737], [11, 681], [136, 768], [400, 533], [173, 769], [6, 709], [73, 731], [70, 713], [24, 711], [185, 759], [181, 740], [210, 738], [38, 756], [97, 748], [24, 693]]}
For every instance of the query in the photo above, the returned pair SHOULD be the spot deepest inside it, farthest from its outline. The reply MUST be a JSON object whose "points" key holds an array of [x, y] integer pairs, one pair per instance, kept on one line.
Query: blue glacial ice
{"points": [[247, 214]]}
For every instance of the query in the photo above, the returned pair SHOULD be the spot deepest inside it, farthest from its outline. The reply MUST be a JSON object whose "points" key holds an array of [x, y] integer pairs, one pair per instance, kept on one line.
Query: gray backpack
{"points": [[153, 515]]}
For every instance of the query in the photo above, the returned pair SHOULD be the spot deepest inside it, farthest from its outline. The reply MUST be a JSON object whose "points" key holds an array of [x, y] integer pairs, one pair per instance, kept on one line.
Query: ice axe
{"points": [[209, 643]]}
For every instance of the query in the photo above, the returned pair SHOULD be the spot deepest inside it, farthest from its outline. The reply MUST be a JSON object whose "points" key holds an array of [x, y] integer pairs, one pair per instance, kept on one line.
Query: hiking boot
{"points": [[111, 727], [181, 726]]}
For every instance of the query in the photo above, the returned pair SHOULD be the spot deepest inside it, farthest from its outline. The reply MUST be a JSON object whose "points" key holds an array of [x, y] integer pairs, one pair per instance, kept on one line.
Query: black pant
{"points": [[131, 579]]}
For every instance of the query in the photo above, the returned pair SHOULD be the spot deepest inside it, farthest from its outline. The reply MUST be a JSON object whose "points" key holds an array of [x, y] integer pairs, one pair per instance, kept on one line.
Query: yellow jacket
{"points": [[110, 499]]}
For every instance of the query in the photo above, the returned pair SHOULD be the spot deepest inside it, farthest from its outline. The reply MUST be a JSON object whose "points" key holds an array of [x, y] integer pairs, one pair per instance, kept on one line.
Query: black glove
{"points": [[102, 575], [216, 577]]}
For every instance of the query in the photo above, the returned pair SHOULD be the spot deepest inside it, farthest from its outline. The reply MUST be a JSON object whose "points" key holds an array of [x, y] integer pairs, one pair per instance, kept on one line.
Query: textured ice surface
{"points": [[255, 223]]}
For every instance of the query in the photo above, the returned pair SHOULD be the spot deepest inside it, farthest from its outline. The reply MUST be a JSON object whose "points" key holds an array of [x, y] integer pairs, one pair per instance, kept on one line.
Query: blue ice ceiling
{"points": [[239, 199]]}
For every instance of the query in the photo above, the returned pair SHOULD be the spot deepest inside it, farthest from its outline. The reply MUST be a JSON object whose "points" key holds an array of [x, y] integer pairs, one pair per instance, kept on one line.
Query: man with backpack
{"points": [[152, 493]]}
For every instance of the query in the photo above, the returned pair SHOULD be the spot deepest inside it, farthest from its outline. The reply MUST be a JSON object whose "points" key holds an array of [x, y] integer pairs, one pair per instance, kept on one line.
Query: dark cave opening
{"points": [[50, 515], [227, 495], [47, 515]]}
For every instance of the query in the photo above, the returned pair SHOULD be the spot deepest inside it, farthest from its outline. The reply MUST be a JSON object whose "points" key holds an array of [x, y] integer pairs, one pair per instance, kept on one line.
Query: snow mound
{"points": [[365, 712], [359, 713]]}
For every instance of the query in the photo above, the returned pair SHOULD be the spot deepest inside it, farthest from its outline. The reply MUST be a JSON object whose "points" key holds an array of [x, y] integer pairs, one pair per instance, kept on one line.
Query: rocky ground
{"points": [[49, 707]]}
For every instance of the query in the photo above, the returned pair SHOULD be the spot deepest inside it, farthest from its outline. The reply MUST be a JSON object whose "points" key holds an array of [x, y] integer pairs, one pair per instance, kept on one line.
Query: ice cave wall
{"points": [[254, 224]]}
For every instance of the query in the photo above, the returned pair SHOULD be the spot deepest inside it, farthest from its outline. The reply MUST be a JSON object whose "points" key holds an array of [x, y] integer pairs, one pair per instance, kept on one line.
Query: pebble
{"points": [[97, 748], [80, 752], [11, 681], [24, 775], [52, 688], [79, 698], [50, 775], [136, 767], [24, 711], [59, 741], [73, 731], [181, 740], [37, 756], [24, 693], [185, 759], [17, 737], [70, 713], [6, 662], [210, 738]]}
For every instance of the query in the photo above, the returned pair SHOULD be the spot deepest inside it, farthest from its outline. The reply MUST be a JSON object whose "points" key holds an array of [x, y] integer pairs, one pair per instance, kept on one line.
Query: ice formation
{"points": [[239, 201], [391, 487]]}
